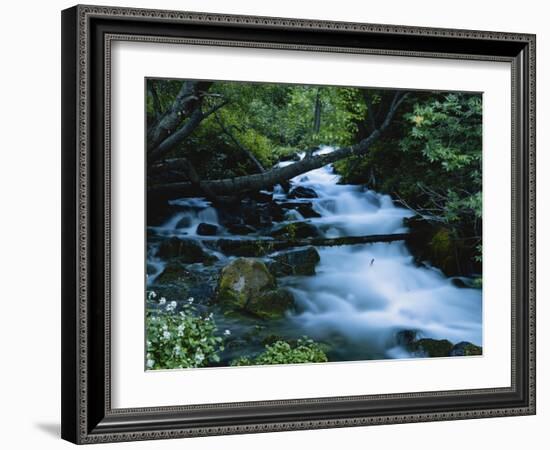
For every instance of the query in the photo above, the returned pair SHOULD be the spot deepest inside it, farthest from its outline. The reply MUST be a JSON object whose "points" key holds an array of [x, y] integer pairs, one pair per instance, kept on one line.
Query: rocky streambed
{"points": [[298, 262]]}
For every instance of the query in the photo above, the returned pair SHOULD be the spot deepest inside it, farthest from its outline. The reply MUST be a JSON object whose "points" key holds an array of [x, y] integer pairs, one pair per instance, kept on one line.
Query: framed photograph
{"points": [[281, 224]]}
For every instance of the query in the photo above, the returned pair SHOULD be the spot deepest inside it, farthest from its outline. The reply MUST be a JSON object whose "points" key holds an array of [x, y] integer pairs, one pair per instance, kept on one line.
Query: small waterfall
{"points": [[363, 294]]}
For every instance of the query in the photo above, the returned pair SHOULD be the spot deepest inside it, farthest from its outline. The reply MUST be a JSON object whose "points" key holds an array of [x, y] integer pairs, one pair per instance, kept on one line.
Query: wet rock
{"points": [[172, 272], [302, 192], [207, 229], [305, 209], [301, 261], [465, 349], [458, 282], [270, 304], [240, 229], [290, 157], [186, 250], [431, 347], [184, 222], [256, 215], [242, 280], [406, 338], [296, 230], [261, 196]]}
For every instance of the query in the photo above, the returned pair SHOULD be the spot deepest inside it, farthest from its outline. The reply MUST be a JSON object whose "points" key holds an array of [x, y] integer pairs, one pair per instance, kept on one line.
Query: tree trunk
{"points": [[262, 247], [187, 101], [277, 175]]}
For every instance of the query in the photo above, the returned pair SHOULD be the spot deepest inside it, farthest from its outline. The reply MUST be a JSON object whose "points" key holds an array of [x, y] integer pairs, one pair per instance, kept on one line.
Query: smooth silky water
{"points": [[361, 295]]}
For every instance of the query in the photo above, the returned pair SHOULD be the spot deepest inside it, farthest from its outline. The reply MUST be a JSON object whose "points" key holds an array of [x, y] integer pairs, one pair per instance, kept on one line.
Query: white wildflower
{"points": [[162, 301], [227, 332], [152, 295], [150, 363], [177, 350], [181, 329], [199, 357], [171, 306], [166, 335], [190, 300]]}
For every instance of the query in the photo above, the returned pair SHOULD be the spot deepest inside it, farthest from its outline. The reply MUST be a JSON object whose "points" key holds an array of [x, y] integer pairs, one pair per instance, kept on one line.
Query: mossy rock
{"points": [[243, 279], [466, 349], [431, 347], [435, 243], [270, 304]]}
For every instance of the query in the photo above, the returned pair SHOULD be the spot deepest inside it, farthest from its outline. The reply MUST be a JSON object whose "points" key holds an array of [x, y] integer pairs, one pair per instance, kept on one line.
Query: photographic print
{"points": [[295, 224]]}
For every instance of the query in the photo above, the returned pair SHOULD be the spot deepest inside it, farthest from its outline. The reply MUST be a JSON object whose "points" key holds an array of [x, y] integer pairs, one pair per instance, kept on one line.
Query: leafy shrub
{"points": [[281, 352], [178, 340]]}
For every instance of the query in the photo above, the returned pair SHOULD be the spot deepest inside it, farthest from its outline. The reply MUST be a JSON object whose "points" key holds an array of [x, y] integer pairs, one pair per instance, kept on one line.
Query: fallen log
{"points": [[263, 247], [276, 175]]}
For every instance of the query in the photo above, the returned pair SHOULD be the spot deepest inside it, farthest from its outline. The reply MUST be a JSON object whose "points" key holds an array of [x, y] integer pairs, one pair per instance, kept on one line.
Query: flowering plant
{"points": [[183, 339], [304, 350]]}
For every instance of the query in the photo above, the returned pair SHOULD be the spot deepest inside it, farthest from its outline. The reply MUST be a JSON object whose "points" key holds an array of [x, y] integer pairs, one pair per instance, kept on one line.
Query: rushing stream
{"points": [[361, 295]]}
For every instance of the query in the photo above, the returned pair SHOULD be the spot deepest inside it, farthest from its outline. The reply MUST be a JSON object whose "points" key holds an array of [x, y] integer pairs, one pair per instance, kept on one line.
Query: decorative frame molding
{"points": [[88, 31]]}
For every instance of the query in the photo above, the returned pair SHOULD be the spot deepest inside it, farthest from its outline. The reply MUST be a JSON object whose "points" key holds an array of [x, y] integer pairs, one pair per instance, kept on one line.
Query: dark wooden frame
{"points": [[87, 32]]}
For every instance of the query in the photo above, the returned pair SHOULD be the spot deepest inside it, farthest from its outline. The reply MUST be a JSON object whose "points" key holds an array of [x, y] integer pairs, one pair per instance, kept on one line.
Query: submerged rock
{"points": [[301, 261], [207, 229], [186, 250], [302, 192], [465, 349], [296, 230]]}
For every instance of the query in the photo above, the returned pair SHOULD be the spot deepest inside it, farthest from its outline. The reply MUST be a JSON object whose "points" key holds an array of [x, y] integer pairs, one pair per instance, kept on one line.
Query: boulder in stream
{"points": [[207, 229], [246, 284], [186, 250], [302, 192], [431, 347], [271, 304], [301, 261], [240, 228], [465, 349]]}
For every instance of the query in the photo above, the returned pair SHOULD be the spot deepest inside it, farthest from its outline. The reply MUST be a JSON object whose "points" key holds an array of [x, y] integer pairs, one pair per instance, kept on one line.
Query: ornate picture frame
{"points": [[88, 33]]}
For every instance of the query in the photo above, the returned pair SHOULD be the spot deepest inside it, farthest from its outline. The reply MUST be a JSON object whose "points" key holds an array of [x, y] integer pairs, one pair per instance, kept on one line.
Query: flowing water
{"points": [[362, 295]]}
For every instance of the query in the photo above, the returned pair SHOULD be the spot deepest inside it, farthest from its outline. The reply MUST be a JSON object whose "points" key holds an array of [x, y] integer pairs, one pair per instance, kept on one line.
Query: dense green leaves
{"points": [[281, 352], [180, 339]]}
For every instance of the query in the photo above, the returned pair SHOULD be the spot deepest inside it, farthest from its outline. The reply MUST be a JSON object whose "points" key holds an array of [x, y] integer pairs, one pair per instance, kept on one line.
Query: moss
{"points": [[270, 304], [472, 350], [432, 347], [243, 279]]}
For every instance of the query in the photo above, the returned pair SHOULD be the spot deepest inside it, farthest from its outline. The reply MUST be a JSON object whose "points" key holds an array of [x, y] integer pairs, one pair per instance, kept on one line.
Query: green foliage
{"points": [[430, 158], [281, 352], [177, 340]]}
